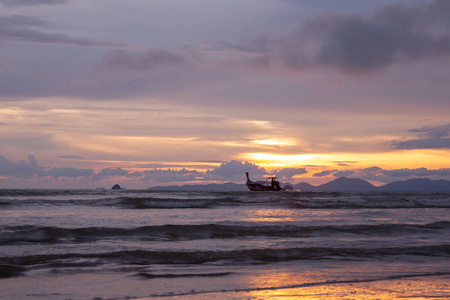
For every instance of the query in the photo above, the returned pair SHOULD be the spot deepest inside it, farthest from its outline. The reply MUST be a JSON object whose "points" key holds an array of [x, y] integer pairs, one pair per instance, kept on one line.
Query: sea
{"points": [[146, 244]]}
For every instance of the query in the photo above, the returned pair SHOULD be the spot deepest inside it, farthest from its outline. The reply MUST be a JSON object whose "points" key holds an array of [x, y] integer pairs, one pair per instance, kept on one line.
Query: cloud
{"points": [[372, 169], [422, 144], [28, 168], [158, 175], [289, 173], [351, 43], [145, 61], [345, 163], [235, 171], [106, 172], [433, 132], [323, 173], [22, 28], [14, 3], [67, 172], [227, 171], [429, 138], [389, 175], [343, 173], [418, 172]]}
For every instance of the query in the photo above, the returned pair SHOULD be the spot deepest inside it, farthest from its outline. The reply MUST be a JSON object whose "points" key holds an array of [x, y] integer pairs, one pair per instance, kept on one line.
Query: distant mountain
{"points": [[417, 185], [348, 184], [340, 184], [225, 187], [304, 186]]}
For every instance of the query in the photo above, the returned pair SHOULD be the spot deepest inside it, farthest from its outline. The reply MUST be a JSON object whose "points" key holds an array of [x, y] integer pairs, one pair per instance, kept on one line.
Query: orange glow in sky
{"points": [[265, 89]]}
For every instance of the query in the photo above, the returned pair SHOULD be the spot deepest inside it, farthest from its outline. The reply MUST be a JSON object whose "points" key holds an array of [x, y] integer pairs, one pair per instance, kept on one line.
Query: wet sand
{"points": [[289, 280]]}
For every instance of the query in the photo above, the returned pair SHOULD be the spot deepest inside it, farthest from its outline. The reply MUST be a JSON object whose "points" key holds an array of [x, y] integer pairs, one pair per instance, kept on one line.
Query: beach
{"points": [[129, 244]]}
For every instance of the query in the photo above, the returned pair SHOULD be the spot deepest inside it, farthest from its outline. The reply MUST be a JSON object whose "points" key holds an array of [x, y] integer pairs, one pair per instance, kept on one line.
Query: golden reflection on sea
{"points": [[286, 285]]}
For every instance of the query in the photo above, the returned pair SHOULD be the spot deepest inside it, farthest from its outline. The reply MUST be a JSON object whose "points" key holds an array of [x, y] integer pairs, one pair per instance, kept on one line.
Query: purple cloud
{"points": [[107, 172], [433, 132], [67, 172], [28, 168], [429, 138], [394, 33], [323, 173], [14, 3], [235, 171], [158, 175], [22, 28], [343, 173], [422, 144], [288, 173], [145, 61], [418, 172]]}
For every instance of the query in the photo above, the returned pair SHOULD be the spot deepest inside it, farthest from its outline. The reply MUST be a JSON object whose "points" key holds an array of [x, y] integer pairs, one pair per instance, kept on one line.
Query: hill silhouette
{"points": [[418, 185], [346, 184], [339, 184]]}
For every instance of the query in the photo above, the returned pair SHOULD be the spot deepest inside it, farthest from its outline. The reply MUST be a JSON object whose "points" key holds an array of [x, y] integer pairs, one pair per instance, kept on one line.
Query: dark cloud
{"points": [[323, 173], [14, 3], [351, 43], [67, 172], [345, 163], [22, 28], [429, 138], [107, 172], [28, 168], [433, 132], [343, 173], [144, 61], [422, 144], [418, 172], [372, 169], [289, 173], [385, 175]]}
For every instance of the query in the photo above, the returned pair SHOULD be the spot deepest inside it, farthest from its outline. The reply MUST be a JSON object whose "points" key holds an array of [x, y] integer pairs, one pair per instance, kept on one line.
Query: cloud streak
{"points": [[17, 3], [30, 29], [429, 138]]}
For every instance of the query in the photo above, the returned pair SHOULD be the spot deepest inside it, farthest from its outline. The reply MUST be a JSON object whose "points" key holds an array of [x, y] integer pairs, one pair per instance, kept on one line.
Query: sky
{"points": [[146, 93]]}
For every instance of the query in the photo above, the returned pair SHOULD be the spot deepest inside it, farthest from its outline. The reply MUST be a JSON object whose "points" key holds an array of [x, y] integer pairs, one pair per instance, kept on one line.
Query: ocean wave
{"points": [[168, 203], [11, 235], [233, 257], [7, 271], [183, 275], [211, 200]]}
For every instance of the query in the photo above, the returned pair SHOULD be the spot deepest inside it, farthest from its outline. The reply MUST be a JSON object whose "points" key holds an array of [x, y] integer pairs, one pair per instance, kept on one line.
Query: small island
{"points": [[116, 187]]}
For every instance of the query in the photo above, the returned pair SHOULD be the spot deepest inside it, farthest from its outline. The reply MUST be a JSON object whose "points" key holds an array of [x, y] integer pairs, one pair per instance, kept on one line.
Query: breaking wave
{"points": [[46, 234], [177, 199], [238, 257]]}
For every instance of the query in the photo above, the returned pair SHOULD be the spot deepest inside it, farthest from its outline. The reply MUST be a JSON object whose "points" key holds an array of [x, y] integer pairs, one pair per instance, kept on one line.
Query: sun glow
{"points": [[432, 159], [280, 159]]}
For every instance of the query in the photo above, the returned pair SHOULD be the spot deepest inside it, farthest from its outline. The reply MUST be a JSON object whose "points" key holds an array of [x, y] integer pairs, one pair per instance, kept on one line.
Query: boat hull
{"points": [[274, 185], [256, 187]]}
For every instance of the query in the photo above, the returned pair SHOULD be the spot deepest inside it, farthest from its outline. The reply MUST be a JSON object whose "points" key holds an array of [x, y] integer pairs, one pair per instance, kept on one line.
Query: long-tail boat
{"points": [[271, 185]]}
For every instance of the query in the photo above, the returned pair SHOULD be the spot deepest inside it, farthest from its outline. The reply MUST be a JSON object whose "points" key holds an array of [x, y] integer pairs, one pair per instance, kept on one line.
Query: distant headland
{"points": [[339, 184]]}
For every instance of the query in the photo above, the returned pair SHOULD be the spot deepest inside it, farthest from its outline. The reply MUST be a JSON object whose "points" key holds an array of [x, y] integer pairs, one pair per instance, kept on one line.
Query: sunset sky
{"points": [[158, 92]]}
